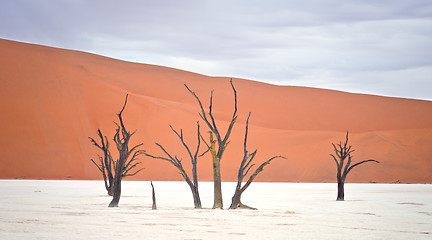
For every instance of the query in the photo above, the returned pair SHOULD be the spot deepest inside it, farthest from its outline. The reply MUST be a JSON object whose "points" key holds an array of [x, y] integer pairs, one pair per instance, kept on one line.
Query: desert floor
{"points": [[78, 210]]}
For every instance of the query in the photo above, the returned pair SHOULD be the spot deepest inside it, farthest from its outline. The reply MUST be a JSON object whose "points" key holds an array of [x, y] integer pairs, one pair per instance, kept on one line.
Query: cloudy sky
{"points": [[379, 47]]}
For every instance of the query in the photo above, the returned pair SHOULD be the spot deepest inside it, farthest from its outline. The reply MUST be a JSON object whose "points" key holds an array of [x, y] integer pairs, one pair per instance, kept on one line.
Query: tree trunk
{"points": [[218, 202], [110, 191], [341, 192], [154, 207], [217, 182], [118, 176], [196, 197], [236, 202], [116, 190], [109, 187], [194, 190]]}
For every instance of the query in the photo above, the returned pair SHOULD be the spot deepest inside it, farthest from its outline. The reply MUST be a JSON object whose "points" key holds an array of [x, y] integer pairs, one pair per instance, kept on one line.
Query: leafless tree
{"points": [[221, 141], [174, 160], [343, 156], [123, 164], [245, 166], [114, 171]]}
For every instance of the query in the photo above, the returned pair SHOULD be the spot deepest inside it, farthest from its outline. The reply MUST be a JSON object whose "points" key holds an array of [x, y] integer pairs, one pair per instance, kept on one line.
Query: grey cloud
{"points": [[330, 44]]}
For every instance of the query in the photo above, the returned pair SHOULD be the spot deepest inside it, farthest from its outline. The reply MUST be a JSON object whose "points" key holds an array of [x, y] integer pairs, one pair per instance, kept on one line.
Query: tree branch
{"points": [[132, 174], [203, 114], [257, 171], [207, 145], [123, 128], [336, 161], [365, 161], [100, 167], [180, 136]]}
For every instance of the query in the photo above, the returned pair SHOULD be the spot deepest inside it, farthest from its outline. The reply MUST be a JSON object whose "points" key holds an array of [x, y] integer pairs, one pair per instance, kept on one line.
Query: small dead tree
{"points": [[174, 160], [154, 207], [343, 156], [222, 142], [245, 166]]}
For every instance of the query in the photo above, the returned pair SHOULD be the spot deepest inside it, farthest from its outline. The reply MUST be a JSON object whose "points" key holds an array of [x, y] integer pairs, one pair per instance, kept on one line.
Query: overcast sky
{"points": [[381, 47]]}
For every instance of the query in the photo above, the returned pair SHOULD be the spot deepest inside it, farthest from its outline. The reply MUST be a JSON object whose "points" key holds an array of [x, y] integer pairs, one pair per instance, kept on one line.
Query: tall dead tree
{"points": [[245, 166], [109, 169], [174, 160], [343, 160], [114, 171], [221, 141], [123, 164]]}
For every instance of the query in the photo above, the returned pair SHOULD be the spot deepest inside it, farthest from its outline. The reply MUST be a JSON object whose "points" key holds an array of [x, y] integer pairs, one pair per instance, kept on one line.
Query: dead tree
{"points": [[108, 167], [127, 158], [343, 156], [174, 160], [105, 162], [222, 142], [123, 164], [245, 166]]}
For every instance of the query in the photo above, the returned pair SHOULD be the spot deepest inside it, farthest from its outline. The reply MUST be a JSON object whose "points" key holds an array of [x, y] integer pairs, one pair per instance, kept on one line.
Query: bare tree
{"points": [[245, 166], [193, 184], [222, 142], [343, 153], [123, 166], [114, 171]]}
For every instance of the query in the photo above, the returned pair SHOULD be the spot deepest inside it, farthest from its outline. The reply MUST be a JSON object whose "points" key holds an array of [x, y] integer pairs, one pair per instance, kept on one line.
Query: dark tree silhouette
{"points": [[174, 160], [221, 141], [114, 171], [123, 164], [245, 166], [343, 156]]}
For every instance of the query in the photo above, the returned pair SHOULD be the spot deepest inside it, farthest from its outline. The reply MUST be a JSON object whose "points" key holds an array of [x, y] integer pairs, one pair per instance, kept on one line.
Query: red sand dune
{"points": [[52, 100]]}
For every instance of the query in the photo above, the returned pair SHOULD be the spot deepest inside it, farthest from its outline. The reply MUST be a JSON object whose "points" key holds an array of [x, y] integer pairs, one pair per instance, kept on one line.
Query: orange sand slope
{"points": [[52, 100]]}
